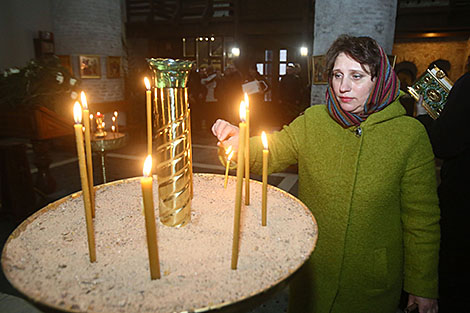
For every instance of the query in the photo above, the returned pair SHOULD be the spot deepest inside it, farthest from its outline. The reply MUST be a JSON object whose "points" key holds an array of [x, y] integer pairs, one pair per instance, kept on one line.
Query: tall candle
{"points": [[149, 116], [238, 195], [265, 179], [229, 158], [247, 151], [88, 151], [77, 112], [146, 183]]}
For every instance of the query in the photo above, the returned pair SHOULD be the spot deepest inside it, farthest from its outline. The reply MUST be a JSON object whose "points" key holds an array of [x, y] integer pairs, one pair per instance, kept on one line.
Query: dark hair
{"points": [[363, 50], [441, 64]]}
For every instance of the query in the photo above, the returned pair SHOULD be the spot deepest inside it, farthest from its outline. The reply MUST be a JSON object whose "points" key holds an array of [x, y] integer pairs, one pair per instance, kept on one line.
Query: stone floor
{"points": [[123, 163]]}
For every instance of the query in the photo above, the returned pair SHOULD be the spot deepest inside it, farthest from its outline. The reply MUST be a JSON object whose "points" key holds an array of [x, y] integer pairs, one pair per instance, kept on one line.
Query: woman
{"points": [[366, 171]]}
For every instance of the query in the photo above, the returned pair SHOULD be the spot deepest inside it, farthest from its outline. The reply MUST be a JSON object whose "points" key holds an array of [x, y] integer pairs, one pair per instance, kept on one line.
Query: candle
{"points": [[247, 151], [238, 196], [265, 179], [89, 152], [146, 183], [149, 117], [77, 112], [116, 119], [230, 154]]}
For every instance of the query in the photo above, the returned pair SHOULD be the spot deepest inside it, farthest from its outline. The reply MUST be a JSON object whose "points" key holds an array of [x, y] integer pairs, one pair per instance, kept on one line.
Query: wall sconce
{"points": [[304, 51]]}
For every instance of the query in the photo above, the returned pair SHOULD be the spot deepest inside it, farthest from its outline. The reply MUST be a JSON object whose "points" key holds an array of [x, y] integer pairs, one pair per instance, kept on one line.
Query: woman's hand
{"points": [[425, 305], [226, 133]]}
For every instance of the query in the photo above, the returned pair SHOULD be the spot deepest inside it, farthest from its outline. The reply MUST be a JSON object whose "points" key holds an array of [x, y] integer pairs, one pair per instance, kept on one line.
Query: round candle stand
{"points": [[112, 141], [45, 258]]}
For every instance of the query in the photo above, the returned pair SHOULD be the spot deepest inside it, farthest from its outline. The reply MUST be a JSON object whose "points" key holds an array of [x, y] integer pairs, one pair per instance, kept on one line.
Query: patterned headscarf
{"points": [[386, 89]]}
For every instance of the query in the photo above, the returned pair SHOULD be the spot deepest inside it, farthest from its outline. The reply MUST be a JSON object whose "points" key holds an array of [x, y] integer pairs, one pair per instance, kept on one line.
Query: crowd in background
{"points": [[216, 94]]}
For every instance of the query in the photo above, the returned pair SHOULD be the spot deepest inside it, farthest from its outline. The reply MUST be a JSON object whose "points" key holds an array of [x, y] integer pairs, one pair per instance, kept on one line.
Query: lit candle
{"points": [[116, 119], [91, 122], [77, 113], [89, 152], [247, 151], [146, 183], [265, 179], [149, 117], [230, 154], [238, 196]]}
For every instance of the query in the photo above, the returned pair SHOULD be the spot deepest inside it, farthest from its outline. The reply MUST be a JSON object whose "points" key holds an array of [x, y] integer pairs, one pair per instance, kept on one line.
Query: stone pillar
{"points": [[374, 18], [91, 27]]}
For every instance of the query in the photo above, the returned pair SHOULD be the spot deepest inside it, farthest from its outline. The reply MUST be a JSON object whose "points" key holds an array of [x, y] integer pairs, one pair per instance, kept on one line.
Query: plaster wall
{"points": [[423, 53]]}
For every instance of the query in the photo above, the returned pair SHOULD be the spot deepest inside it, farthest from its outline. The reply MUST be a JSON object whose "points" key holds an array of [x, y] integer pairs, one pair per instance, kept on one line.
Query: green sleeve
{"points": [[283, 147], [420, 218]]}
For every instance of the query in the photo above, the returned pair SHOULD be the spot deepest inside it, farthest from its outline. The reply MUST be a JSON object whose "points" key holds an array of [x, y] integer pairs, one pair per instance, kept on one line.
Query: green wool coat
{"points": [[374, 198]]}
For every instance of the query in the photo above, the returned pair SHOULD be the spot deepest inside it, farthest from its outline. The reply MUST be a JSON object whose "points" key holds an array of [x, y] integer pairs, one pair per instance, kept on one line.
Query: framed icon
{"points": [[113, 68], [320, 74], [90, 66]]}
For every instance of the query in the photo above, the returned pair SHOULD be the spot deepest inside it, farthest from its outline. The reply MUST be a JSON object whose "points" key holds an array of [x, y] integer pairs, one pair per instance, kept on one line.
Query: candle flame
{"points": [[113, 128], [83, 99], [247, 101], [98, 113], [230, 156], [147, 166], [91, 116], [147, 83], [113, 118], [264, 139], [103, 124], [228, 150], [242, 111], [77, 112], [116, 113]]}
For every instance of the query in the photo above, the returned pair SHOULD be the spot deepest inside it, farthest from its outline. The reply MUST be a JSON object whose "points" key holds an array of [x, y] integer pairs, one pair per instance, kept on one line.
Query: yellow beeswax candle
{"points": [[146, 183], [77, 112], [264, 198], [149, 116], [238, 195], [247, 151], [229, 158], [88, 151]]}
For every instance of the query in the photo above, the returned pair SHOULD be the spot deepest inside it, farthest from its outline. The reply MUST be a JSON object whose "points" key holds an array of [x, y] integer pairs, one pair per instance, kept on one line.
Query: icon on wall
{"points": [[90, 66]]}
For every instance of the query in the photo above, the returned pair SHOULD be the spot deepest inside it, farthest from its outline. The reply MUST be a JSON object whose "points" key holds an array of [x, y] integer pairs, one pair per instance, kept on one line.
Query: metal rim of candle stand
{"points": [[240, 305]]}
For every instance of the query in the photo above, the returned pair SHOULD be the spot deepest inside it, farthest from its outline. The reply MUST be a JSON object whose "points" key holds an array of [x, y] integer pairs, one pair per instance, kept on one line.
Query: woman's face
{"points": [[352, 85]]}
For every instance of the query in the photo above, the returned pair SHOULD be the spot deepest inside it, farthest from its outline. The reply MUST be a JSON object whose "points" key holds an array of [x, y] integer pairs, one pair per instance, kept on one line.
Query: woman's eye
{"points": [[337, 75], [357, 76]]}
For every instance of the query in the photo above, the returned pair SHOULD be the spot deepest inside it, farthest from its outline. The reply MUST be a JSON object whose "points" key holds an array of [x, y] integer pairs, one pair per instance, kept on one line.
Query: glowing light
{"points": [[147, 166], [77, 112], [147, 83]]}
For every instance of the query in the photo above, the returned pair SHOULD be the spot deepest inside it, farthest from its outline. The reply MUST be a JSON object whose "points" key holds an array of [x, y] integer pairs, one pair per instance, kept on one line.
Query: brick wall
{"points": [[90, 27], [423, 53]]}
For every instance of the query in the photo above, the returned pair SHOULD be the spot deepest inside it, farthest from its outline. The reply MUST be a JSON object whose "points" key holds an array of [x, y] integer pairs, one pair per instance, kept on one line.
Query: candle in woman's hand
{"points": [[89, 152], [247, 151], [147, 193], [229, 158], [149, 116], [77, 113], [238, 195], [265, 179]]}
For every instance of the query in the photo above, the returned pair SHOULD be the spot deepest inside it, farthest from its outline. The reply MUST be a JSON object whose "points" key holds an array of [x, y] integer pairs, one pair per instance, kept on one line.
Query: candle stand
{"points": [[111, 141], [45, 258]]}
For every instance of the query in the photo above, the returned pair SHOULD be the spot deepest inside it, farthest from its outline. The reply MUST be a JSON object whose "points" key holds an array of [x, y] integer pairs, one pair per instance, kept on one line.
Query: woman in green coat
{"points": [[366, 171]]}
